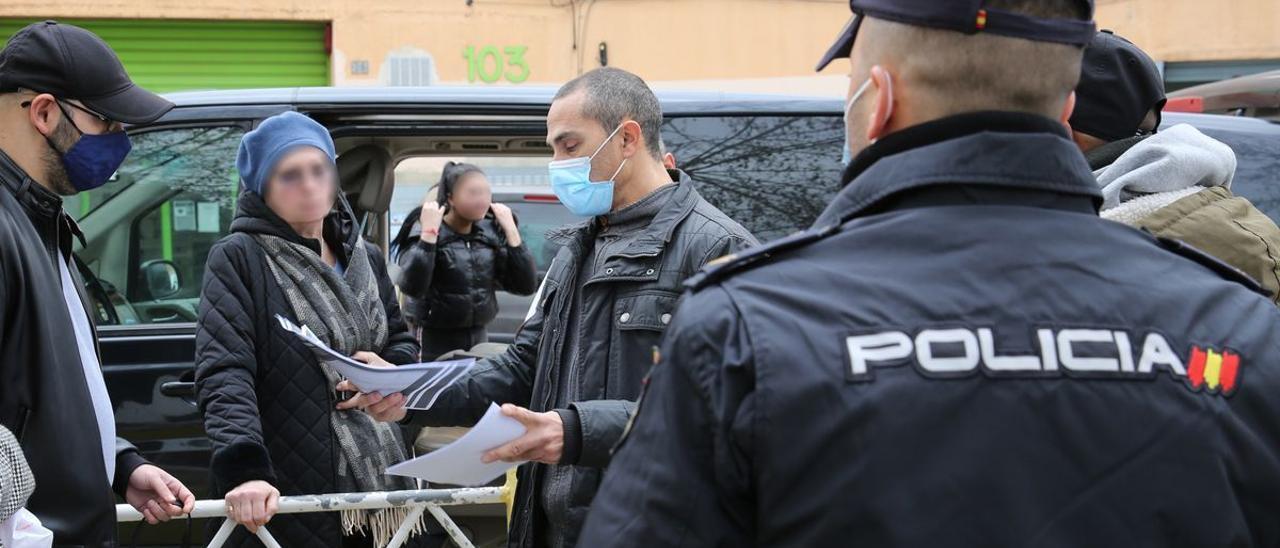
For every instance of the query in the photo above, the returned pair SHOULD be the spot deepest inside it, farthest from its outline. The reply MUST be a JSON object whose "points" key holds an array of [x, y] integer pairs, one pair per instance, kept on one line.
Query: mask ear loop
{"points": [[615, 174], [888, 84], [848, 107], [65, 116], [606, 141], [601, 147]]}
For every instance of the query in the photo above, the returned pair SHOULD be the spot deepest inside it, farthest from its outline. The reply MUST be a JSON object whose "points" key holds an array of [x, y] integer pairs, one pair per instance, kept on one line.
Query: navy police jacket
{"points": [[961, 353]]}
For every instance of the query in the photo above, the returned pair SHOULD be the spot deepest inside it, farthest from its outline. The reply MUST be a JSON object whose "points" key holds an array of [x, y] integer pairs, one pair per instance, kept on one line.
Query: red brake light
{"points": [[1184, 104], [542, 198]]}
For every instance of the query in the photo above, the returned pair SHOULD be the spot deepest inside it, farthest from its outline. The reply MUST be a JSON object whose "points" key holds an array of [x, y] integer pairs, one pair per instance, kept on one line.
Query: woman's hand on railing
{"points": [[252, 504]]}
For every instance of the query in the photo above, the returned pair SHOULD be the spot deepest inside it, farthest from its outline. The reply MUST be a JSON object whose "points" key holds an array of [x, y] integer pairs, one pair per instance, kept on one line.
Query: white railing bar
{"points": [[407, 525], [419, 500], [223, 533], [450, 527], [299, 504], [266, 538]]}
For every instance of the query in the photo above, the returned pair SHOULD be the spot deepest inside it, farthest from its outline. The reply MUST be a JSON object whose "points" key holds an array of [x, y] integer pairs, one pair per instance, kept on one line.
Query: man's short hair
{"points": [[953, 72], [614, 95]]}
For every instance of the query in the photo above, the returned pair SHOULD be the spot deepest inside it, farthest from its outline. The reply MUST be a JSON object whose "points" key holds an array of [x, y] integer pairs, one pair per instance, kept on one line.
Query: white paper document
{"points": [[459, 462], [421, 383]]}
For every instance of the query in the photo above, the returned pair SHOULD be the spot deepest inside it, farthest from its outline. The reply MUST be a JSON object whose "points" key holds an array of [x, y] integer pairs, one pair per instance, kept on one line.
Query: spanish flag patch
{"points": [[1213, 371]]}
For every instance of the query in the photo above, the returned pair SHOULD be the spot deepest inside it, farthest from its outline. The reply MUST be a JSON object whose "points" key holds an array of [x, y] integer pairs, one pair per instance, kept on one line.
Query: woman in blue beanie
{"points": [[269, 405]]}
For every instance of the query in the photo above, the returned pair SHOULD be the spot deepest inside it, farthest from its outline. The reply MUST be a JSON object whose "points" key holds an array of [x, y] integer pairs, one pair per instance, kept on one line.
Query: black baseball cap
{"points": [[72, 63], [967, 16], [1119, 85]]}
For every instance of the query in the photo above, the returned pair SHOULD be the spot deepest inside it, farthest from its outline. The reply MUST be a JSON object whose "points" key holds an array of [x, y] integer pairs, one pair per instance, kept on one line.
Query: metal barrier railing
{"points": [[422, 500]]}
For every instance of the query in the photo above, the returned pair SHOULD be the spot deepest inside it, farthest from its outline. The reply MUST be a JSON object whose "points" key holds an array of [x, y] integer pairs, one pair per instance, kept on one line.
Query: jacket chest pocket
{"points": [[639, 320]]}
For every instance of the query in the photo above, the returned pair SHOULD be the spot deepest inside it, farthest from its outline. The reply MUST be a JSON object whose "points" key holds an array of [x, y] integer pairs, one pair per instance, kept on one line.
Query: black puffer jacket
{"points": [[451, 284], [265, 400]]}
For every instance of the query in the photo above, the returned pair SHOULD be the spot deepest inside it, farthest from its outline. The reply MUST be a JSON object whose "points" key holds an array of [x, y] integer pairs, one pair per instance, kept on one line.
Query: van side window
{"points": [[773, 174], [149, 231]]}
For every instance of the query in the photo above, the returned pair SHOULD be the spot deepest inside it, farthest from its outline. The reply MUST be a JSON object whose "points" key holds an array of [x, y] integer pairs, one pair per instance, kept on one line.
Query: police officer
{"points": [[960, 352]]}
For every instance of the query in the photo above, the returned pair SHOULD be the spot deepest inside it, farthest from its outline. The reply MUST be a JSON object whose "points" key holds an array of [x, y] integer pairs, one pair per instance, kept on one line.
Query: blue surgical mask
{"points": [[572, 184], [847, 157], [93, 159]]}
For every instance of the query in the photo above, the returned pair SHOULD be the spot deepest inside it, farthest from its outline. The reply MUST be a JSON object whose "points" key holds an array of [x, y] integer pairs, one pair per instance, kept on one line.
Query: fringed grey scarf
{"points": [[345, 311]]}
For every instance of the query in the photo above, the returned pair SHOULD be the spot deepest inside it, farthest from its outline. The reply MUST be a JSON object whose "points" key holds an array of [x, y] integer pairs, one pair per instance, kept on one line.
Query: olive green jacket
{"points": [[1226, 226]]}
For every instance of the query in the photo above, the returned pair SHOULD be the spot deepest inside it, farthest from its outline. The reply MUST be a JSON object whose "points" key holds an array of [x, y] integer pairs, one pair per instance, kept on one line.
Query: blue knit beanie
{"points": [[263, 147]]}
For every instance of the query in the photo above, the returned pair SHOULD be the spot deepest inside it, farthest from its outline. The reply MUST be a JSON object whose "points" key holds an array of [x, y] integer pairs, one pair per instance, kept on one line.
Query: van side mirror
{"points": [[161, 279]]}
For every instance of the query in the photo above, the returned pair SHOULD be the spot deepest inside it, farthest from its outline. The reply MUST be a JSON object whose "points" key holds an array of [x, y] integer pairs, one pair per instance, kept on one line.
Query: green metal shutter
{"points": [[173, 55]]}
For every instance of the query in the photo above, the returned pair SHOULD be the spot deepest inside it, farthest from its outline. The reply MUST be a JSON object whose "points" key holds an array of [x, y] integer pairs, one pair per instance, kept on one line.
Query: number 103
{"points": [[489, 65]]}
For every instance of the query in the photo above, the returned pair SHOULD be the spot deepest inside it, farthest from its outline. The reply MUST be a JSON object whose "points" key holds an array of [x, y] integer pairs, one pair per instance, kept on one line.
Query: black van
{"points": [[771, 162]]}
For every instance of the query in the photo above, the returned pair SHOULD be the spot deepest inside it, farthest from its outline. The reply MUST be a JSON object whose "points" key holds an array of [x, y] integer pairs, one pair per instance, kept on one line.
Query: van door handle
{"points": [[178, 389]]}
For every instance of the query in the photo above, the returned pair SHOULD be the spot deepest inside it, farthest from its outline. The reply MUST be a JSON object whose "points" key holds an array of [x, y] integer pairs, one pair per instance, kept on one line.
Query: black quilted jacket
{"points": [[265, 400]]}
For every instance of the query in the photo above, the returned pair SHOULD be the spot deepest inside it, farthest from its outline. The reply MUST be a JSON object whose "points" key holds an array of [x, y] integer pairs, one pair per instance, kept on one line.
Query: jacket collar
{"points": [[637, 216], [1107, 154], [340, 228], [31, 194], [983, 149], [44, 207], [661, 228], [482, 231]]}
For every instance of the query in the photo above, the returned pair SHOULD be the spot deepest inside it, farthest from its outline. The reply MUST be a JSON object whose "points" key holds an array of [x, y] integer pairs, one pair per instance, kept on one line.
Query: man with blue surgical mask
{"points": [[63, 99], [576, 368]]}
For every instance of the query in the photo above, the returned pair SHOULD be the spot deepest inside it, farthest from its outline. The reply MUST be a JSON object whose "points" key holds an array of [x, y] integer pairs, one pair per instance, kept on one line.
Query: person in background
{"points": [[295, 250], [455, 254], [1174, 182], [576, 368], [64, 97]]}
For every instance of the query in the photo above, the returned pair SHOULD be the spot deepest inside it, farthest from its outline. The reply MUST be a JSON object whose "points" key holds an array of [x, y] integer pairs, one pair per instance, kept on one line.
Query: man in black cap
{"points": [[63, 99], [960, 352], [1119, 97], [1174, 183]]}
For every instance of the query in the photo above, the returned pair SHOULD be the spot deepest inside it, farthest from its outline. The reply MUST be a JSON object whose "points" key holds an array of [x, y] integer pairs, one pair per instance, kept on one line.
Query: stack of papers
{"points": [[459, 462], [421, 383]]}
